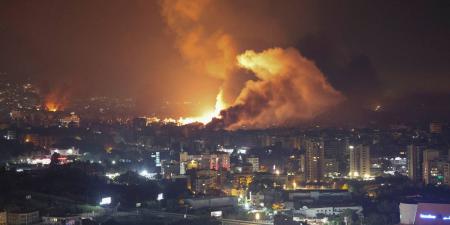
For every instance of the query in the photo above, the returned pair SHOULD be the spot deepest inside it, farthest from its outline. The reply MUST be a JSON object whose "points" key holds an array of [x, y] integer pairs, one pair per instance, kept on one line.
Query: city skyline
{"points": [[224, 112], [383, 54]]}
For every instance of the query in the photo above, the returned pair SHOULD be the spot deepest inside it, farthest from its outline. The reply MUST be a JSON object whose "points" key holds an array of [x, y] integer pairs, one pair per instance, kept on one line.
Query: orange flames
{"points": [[288, 87], [56, 100], [52, 106], [204, 119], [207, 116]]}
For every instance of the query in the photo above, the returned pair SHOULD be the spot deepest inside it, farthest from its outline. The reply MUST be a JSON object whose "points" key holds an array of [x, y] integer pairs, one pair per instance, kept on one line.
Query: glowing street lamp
{"points": [[257, 216]]}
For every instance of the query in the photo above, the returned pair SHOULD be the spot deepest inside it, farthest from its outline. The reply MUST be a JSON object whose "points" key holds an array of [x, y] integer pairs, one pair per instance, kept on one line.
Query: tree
{"points": [[55, 159]]}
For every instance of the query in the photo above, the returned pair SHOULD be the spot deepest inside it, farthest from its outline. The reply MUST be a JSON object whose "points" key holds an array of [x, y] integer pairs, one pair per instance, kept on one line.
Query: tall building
{"points": [[435, 127], [446, 173], [169, 169], [314, 161], [213, 161], [428, 156], [414, 156], [331, 168], [439, 172], [359, 161], [255, 163], [157, 158], [302, 164], [334, 155], [71, 120], [330, 148], [184, 157]]}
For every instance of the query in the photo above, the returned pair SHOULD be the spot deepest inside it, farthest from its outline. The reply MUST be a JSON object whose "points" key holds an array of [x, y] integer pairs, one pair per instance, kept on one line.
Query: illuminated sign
{"points": [[160, 197], [216, 214], [105, 201], [427, 216]]}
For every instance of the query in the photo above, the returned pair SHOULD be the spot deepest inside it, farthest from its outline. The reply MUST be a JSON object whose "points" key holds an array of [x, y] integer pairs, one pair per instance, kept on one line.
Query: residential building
{"points": [[429, 155], [22, 218], [314, 161], [414, 156], [359, 161], [255, 163]]}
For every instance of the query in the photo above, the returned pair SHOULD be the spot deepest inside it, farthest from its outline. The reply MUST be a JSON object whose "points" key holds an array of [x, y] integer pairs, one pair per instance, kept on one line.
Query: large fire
{"points": [[207, 116], [52, 106], [287, 87], [56, 100], [204, 119]]}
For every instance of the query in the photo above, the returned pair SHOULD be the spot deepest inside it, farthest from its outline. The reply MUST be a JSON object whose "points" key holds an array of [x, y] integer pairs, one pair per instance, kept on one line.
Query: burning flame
{"points": [[56, 100], [208, 116], [52, 106], [204, 119], [289, 87]]}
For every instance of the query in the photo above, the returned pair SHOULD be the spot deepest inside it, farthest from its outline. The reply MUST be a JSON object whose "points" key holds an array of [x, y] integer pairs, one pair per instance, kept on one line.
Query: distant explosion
{"points": [[56, 100], [288, 88], [52, 106]]}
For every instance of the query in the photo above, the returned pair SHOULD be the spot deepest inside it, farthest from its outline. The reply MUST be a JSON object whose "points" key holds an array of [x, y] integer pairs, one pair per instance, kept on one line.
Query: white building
{"points": [[70, 120], [424, 213], [3, 218], [359, 161], [314, 211], [255, 163], [65, 151]]}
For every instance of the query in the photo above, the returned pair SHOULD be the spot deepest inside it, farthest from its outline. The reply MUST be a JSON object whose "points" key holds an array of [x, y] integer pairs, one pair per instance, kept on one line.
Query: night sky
{"points": [[372, 52]]}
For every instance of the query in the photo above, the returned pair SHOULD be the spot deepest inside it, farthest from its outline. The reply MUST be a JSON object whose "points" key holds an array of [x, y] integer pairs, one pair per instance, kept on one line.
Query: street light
{"points": [[257, 216]]}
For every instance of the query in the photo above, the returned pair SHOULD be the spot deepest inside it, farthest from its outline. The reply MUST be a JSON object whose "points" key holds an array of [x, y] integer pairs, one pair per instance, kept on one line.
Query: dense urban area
{"points": [[224, 112], [94, 163]]}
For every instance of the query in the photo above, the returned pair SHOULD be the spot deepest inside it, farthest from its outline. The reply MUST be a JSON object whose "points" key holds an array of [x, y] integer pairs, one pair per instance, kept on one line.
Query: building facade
{"points": [[314, 161], [429, 156], [359, 161], [414, 156], [22, 218]]}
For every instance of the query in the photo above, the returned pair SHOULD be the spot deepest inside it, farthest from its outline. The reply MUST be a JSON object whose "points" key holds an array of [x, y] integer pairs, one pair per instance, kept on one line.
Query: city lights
{"points": [[427, 216], [276, 112]]}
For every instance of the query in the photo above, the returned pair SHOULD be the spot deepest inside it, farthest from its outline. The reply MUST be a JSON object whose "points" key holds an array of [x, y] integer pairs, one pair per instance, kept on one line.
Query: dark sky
{"points": [[370, 51]]}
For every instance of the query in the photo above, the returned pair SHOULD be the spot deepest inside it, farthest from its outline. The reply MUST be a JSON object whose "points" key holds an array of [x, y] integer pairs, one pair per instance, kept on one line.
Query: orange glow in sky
{"points": [[207, 116], [52, 106]]}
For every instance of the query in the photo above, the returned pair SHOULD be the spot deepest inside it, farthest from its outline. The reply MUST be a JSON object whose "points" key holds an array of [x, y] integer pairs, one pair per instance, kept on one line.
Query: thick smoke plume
{"points": [[56, 100], [208, 52], [288, 87]]}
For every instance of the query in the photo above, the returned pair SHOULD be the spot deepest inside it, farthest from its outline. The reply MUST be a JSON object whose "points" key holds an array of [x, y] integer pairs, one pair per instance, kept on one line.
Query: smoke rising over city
{"points": [[224, 112], [288, 87], [174, 57]]}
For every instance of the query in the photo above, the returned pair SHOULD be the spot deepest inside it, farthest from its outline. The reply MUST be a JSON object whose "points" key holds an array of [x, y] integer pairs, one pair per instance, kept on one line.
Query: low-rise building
{"points": [[315, 195], [22, 218], [61, 220], [424, 213], [313, 211], [211, 202], [65, 151], [3, 219]]}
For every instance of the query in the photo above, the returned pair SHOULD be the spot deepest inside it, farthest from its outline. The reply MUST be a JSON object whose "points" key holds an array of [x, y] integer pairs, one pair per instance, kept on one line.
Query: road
{"points": [[179, 216]]}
